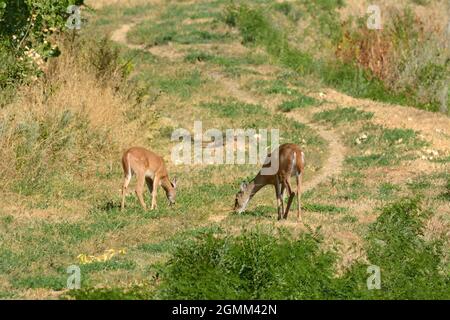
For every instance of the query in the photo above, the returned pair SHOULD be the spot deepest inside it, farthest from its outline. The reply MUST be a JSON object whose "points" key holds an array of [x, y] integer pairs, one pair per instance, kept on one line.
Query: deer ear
{"points": [[174, 182], [243, 185]]}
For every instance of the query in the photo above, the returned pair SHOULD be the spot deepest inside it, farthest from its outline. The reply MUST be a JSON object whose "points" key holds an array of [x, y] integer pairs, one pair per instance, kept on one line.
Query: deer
{"points": [[149, 168], [291, 163]]}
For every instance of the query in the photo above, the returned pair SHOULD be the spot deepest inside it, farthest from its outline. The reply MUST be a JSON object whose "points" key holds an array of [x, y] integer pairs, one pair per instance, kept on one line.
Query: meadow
{"points": [[376, 138]]}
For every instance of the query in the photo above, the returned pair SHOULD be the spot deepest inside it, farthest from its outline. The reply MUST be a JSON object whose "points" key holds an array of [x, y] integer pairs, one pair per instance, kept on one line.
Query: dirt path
{"points": [[435, 127], [166, 51], [334, 162]]}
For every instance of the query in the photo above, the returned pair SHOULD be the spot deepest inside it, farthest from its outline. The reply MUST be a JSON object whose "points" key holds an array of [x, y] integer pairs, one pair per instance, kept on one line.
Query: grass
{"points": [[266, 265], [340, 115], [276, 87], [378, 146], [233, 109], [388, 190], [300, 102], [323, 208], [182, 85], [64, 200]]}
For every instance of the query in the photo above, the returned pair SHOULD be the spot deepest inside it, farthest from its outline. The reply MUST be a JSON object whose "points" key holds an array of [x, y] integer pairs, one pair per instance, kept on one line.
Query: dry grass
{"points": [[97, 4], [69, 114]]}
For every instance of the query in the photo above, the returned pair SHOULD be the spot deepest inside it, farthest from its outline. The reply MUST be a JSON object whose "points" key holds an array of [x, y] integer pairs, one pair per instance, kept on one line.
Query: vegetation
{"points": [[354, 69], [375, 190], [262, 265]]}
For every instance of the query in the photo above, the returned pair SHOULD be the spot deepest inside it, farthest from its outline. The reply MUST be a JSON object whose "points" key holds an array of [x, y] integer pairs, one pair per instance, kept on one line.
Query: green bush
{"points": [[259, 265], [26, 29], [410, 267], [254, 265]]}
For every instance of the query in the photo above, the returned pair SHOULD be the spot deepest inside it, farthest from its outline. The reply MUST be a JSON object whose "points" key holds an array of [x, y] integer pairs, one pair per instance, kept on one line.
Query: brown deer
{"points": [[291, 163], [149, 168]]}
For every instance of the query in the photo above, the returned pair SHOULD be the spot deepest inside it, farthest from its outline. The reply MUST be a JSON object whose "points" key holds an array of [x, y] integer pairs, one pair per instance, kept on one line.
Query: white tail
{"points": [[149, 168], [291, 163]]}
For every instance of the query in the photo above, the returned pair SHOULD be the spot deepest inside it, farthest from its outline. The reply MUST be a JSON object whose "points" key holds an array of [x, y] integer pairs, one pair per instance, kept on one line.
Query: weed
{"points": [[387, 190], [315, 207], [300, 102], [340, 115]]}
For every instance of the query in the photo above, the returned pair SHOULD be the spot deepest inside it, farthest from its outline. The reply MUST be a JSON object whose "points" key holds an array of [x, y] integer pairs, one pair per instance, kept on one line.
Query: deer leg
{"points": [[278, 194], [288, 186], [140, 190], [154, 192], [126, 182], [299, 181], [149, 182], [283, 189], [291, 198]]}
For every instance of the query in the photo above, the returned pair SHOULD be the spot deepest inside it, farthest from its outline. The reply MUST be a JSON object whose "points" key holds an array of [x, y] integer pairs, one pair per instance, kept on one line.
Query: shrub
{"points": [[410, 266], [27, 30], [408, 60], [58, 123], [254, 265], [263, 264]]}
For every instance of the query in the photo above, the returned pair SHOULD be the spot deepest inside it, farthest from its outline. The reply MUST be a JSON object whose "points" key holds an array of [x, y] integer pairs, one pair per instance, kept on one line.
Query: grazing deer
{"points": [[149, 168], [291, 163]]}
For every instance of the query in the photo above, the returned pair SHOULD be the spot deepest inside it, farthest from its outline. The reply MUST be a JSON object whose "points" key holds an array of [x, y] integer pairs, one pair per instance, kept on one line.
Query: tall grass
{"points": [[67, 121], [271, 264], [258, 265], [390, 67], [409, 60]]}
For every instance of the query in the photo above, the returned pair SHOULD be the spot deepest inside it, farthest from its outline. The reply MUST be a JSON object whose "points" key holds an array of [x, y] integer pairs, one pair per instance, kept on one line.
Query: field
{"points": [[376, 188]]}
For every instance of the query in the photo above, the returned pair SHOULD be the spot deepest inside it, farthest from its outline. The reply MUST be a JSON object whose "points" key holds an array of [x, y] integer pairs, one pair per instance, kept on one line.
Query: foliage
{"points": [[259, 265], [26, 34], [254, 265], [410, 266]]}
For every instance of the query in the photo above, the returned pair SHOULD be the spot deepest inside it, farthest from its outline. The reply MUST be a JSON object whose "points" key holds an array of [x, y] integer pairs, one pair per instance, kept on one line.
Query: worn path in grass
{"points": [[435, 127], [333, 164]]}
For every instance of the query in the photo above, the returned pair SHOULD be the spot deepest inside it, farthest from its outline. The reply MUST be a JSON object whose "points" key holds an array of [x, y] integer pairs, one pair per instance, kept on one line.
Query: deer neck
{"points": [[253, 187], [166, 185]]}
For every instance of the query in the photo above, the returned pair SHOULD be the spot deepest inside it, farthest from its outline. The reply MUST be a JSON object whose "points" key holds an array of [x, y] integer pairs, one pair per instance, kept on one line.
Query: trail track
{"points": [[334, 162], [434, 127]]}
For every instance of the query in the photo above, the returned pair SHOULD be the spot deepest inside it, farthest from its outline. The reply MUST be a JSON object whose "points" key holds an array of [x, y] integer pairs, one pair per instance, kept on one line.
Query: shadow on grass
{"points": [[259, 211]]}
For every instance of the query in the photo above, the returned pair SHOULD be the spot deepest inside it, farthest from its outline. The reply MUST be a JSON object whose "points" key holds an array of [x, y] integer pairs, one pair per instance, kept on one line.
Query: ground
{"points": [[360, 155]]}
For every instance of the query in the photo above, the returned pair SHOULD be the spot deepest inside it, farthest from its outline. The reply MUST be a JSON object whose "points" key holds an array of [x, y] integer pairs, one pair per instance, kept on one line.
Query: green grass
{"points": [[258, 28], [183, 85], [446, 193], [349, 219], [277, 86], [233, 109], [264, 264], [300, 102], [132, 293], [110, 265], [379, 146], [170, 29], [340, 115], [57, 282], [323, 208], [258, 212], [373, 160], [388, 190]]}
